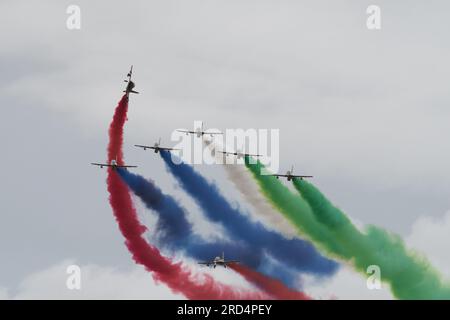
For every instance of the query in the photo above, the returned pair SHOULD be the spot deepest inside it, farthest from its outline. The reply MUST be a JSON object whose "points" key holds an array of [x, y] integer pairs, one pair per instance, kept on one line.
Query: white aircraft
{"points": [[218, 261], [113, 165], [289, 175], [239, 154], [199, 132], [130, 85], [156, 147]]}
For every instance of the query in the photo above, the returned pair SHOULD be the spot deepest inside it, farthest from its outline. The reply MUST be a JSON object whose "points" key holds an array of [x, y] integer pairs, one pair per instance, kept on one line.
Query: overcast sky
{"points": [[365, 112]]}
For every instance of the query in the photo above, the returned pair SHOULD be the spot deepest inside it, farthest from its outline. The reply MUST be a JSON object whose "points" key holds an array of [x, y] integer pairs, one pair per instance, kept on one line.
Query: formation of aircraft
{"points": [[218, 261], [113, 164], [199, 132], [130, 84], [240, 154], [156, 147], [290, 175]]}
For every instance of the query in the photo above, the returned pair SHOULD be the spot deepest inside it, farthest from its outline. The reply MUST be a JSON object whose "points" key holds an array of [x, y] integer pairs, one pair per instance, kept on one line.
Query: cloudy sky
{"points": [[366, 112]]}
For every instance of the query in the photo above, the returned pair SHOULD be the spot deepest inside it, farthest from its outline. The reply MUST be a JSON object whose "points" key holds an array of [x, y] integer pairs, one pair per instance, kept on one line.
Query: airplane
{"points": [[199, 132], [218, 261], [289, 175], [240, 154], [155, 147], [113, 165], [130, 84]]}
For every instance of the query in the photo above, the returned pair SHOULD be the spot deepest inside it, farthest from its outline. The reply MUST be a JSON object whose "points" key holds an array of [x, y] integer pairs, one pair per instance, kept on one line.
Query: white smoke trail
{"points": [[243, 181]]}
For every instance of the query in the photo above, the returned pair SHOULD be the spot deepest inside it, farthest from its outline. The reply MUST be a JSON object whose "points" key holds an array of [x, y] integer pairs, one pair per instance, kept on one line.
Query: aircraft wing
{"points": [[110, 165], [168, 149], [295, 176], [144, 147], [205, 132], [101, 164], [278, 175], [252, 155], [151, 147], [186, 131], [231, 261], [205, 263]]}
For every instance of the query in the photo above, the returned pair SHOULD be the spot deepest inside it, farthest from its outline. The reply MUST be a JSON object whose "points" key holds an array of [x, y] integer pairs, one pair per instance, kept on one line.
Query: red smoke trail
{"points": [[116, 131], [276, 288], [174, 275]]}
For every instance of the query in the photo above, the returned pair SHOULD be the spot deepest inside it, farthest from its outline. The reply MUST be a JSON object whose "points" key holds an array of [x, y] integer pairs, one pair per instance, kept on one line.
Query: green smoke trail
{"points": [[297, 212], [409, 275]]}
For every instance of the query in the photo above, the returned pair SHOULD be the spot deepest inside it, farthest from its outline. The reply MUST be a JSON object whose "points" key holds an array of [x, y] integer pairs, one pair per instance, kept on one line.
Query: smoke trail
{"points": [[277, 288], [174, 275], [116, 131], [409, 276], [296, 211], [176, 230], [178, 234], [242, 181], [295, 253]]}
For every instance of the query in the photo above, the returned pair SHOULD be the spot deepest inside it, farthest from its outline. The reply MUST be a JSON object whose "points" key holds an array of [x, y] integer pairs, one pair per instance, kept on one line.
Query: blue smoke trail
{"points": [[175, 232], [295, 253]]}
